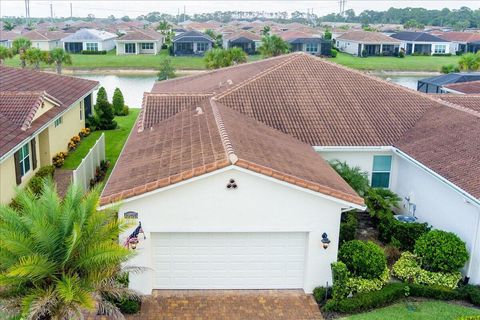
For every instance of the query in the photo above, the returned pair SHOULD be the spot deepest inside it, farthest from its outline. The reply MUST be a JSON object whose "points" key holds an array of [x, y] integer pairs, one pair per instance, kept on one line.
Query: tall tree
{"points": [[5, 53], [118, 103], [20, 46], [273, 46], [58, 256], [59, 57], [8, 26]]}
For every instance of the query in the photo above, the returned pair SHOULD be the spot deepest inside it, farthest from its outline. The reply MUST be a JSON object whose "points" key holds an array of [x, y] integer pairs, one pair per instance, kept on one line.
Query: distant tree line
{"points": [[458, 19]]}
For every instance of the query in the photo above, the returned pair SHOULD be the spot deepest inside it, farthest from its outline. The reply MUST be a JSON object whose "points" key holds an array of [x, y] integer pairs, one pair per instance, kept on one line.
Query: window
{"points": [[202, 46], [311, 47], [147, 46], [24, 159], [130, 48], [381, 171], [440, 48], [92, 46], [58, 121]]}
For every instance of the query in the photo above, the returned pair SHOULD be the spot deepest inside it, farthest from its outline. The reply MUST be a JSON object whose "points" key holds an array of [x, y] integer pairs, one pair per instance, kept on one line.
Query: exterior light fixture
{"points": [[325, 240]]}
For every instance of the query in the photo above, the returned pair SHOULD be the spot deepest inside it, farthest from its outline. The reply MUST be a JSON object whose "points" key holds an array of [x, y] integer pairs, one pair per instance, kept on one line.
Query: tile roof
{"points": [[213, 136], [460, 36], [23, 88], [469, 101], [367, 37], [465, 87], [243, 34], [322, 104], [192, 36], [89, 35], [39, 35], [291, 35], [141, 34]]}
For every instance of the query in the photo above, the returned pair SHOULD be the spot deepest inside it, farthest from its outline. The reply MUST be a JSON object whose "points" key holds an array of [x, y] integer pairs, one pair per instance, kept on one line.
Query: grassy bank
{"points": [[114, 141], [409, 63], [427, 310], [141, 61]]}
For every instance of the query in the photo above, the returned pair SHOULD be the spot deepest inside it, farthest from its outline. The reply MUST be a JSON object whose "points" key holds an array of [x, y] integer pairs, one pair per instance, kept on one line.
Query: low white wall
{"points": [[258, 205]]}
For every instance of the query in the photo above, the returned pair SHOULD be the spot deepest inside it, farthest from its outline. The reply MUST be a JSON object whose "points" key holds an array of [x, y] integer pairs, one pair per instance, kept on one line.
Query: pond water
{"points": [[133, 86]]}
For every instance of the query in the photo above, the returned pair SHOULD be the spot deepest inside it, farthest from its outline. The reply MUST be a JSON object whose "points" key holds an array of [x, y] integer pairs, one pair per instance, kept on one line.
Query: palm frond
{"points": [[31, 268]]}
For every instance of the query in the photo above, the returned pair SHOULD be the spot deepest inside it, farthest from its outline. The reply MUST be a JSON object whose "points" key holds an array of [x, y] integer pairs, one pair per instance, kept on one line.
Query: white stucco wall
{"points": [[348, 46], [260, 204], [436, 203]]}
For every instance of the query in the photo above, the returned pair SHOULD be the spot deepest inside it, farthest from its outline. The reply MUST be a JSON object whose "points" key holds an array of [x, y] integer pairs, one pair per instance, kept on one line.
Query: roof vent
{"points": [[199, 111], [229, 82]]}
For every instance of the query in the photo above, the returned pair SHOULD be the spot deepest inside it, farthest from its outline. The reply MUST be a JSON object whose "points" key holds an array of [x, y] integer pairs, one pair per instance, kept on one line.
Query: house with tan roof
{"points": [[233, 178], [139, 41], [39, 113], [45, 40], [462, 41], [364, 43]]}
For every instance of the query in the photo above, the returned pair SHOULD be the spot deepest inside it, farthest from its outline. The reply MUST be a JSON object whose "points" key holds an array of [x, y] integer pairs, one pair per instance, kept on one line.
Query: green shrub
{"points": [[433, 292], [322, 294], [360, 285], [340, 277], [45, 171], [470, 293], [125, 110], [363, 259], [348, 226], [380, 203], [449, 68], [129, 306], [367, 301], [401, 54], [408, 269], [469, 318], [405, 234], [94, 52], [441, 251], [118, 103], [333, 53]]}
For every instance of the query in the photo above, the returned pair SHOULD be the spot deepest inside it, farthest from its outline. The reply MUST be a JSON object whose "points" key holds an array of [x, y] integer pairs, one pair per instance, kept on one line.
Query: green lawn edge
{"points": [[114, 142]]}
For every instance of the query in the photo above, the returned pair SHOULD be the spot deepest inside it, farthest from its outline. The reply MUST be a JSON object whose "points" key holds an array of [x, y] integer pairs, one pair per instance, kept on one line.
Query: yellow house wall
{"points": [[8, 179]]}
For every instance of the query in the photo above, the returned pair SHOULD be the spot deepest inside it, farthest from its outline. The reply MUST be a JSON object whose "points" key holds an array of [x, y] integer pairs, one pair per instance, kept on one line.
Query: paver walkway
{"points": [[63, 178], [227, 304]]}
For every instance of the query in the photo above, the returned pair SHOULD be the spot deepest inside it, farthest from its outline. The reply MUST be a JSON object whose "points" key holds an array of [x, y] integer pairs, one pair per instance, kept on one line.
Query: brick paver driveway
{"points": [[228, 304]]}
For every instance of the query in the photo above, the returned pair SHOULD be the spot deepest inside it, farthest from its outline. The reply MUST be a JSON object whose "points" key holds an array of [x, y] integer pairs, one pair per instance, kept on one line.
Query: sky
{"points": [[133, 8]]}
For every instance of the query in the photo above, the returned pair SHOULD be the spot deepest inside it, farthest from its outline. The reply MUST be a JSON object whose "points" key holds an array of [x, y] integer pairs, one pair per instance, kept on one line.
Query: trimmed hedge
{"points": [[94, 52], [405, 234], [363, 259]]}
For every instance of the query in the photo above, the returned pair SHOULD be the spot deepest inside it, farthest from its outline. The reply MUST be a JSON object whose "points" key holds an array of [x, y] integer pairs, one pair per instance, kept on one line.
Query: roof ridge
{"points": [[227, 144], [458, 107], [293, 56]]}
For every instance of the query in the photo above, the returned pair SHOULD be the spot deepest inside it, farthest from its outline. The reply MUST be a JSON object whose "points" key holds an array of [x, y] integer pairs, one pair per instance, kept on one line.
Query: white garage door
{"points": [[228, 260]]}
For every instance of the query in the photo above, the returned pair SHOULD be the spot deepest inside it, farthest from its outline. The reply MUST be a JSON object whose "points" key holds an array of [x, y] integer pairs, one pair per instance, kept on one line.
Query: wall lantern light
{"points": [[325, 240]]}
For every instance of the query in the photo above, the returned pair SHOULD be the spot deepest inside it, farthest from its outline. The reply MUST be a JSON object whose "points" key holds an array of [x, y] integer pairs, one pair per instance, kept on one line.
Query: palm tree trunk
{"points": [[59, 67]]}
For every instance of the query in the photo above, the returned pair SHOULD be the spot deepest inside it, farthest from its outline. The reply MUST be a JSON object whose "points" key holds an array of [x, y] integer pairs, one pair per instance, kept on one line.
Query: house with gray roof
{"points": [[191, 43], [89, 40], [422, 43]]}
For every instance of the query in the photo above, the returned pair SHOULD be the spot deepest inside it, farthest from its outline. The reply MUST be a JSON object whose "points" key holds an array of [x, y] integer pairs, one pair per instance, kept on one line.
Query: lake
{"points": [[133, 86]]}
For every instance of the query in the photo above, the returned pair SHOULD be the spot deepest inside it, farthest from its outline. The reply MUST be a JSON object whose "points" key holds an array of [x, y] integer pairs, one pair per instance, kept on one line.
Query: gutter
{"points": [[39, 130]]}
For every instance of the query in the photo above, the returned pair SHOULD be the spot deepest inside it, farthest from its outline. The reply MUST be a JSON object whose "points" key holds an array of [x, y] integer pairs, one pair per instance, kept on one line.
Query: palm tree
{"points": [[34, 56], [59, 57], [8, 26], [236, 55], [19, 46], [354, 176], [164, 26], [469, 62], [266, 31], [273, 46], [5, 53], [58, 257]]}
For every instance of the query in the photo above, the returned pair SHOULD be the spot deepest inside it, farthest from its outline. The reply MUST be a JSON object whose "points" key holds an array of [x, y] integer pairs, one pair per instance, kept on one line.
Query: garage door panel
{"points": [[228, 260]]}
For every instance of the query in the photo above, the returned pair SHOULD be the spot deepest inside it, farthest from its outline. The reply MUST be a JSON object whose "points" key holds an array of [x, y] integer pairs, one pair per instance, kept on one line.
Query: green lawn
{"points": [[409, 63], [114, 141], [427, 310], [141, 61]]}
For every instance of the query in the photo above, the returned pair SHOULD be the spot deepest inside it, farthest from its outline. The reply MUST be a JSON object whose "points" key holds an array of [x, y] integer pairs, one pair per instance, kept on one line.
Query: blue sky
{"points": [[135, 8]]}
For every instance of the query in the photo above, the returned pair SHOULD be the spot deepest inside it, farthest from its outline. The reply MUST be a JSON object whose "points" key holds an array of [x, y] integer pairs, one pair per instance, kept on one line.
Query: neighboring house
{"points": [[39, 113], [363, 43], [471, 87], [45, 40], [462, 41], [422, 43], [437, 84], [191, 43], [307, 42], [7, 37], [220, 190], [139, 41], [89, 40], [247, 41]]}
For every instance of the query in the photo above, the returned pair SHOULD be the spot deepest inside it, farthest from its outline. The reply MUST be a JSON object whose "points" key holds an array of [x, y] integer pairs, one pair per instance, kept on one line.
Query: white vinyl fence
{"points": [[86, 169]]}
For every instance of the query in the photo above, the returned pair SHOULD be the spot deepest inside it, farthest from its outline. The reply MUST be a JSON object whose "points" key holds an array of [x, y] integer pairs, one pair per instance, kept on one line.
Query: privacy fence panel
{"points": [[88, 166]]}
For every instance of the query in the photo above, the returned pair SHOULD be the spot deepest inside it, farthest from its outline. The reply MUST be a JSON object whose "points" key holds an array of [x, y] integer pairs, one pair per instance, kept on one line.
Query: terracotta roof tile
{"points": [[367, 37], [468, 87]]}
